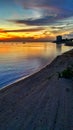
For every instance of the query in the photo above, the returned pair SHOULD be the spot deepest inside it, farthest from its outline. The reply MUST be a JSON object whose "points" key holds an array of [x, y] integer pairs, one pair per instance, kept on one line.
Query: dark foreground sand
{"points": [[41, 101]]}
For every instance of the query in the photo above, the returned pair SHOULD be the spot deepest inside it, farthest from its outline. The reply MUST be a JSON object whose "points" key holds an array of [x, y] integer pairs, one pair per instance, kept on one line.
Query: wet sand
{"points": [[40, 102]]}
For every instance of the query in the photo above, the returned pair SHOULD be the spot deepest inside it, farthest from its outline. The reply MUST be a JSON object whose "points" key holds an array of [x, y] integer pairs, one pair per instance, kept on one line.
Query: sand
{"points": [[40, 102]]}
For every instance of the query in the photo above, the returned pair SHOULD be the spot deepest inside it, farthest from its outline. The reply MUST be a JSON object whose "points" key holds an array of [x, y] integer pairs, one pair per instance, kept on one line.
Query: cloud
{"points": [[2, 30], [45, 3], [69, 35], [42, 21], [49, 6], [23, 30], [36, 22], [28, 39], [58, 27], [51, 11]]}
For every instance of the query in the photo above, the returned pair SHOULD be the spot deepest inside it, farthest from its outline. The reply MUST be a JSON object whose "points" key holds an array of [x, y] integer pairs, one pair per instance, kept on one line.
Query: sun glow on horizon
{"points": [[39, 20]]}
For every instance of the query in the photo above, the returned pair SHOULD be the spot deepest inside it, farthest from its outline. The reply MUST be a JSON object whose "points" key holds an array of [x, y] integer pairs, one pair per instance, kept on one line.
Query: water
{"points": [[18, 60]]}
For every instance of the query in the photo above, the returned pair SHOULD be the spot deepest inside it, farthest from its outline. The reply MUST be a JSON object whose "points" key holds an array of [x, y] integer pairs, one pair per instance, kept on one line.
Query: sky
{"points": [[35, 20]]}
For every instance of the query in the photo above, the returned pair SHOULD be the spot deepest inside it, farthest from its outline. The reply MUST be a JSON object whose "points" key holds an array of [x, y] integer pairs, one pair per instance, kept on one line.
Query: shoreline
{"points": [[41, 101], [34, 73], [28, 76]]}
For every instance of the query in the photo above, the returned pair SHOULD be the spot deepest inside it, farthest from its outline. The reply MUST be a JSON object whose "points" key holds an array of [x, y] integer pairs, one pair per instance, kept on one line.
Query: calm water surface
{"points": [[18, 60]]}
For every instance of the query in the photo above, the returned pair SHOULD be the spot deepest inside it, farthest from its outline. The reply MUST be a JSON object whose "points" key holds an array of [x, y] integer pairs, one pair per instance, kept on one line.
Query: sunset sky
{"points": [[35, 20]]}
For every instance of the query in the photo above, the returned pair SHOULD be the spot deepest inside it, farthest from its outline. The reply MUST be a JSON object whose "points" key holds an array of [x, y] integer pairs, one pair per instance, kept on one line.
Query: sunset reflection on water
{"points": [[21, 59]]}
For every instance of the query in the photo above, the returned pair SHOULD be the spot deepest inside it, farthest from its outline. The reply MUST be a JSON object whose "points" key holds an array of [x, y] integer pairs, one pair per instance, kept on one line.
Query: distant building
{"points": [[66, 41], [59, 38]]}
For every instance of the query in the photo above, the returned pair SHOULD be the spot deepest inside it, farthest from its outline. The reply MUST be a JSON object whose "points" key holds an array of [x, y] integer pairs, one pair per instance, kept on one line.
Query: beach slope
{"points": [[43, 101]]}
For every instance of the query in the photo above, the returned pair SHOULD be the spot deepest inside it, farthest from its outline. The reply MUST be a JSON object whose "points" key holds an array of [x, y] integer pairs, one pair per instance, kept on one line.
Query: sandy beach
{"points": [[40, 102]]}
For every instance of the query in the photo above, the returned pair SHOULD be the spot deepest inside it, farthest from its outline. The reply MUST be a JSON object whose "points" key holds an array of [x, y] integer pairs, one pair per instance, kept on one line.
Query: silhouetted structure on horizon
{"points": [[59, 40]]}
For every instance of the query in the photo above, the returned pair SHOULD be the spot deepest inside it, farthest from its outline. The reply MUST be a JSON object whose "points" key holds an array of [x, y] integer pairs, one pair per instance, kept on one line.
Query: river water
{"points": [[18, 60]]}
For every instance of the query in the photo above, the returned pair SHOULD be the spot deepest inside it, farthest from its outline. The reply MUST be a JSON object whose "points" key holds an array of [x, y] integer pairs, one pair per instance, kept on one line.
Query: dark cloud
{"points": [[42, 21], [45, 20], [23, 30], [36, 22], [51, 10]]}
